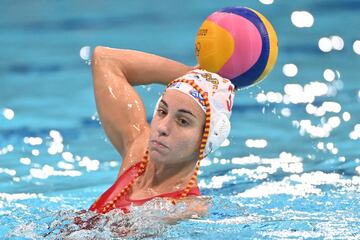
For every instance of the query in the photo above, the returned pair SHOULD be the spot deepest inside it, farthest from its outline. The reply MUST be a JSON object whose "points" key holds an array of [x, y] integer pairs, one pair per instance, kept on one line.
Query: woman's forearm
{"points": [[139, 67]]}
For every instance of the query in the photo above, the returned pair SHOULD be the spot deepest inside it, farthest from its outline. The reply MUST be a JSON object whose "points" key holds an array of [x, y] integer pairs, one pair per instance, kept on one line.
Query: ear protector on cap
{"points": [[219, 130]]}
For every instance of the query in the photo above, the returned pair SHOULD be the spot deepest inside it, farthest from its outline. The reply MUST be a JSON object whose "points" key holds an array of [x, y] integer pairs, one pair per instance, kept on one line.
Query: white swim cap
{"points": [[219, 92]]}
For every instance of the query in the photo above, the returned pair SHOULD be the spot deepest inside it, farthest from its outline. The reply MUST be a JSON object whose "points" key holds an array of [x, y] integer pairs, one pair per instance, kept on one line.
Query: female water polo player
{"points": [[191, 119]]}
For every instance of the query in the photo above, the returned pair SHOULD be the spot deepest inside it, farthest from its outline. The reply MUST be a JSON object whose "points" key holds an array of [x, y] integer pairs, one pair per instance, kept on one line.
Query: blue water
{"points": [[55, 158]]}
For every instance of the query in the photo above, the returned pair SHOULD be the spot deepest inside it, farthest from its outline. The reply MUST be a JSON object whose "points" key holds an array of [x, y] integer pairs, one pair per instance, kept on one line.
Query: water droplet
{"points": [[286, 112], [356, 47], [261, 98], [290, 70], [266, 2], [337, 43], [8, 113], [329, 75], [25, 161], [35, 152], [346, 116], [325, 44], [302, 19], [85, 53], [330, 146]]}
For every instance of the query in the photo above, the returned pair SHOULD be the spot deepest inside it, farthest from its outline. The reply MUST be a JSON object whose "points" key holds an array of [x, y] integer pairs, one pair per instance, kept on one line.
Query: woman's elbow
{"points": [[103, 60], [108, 59], [98, 54]]}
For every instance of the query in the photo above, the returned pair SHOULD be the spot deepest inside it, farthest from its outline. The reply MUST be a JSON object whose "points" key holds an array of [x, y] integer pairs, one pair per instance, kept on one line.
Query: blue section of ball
{"points": [[250, 76]]}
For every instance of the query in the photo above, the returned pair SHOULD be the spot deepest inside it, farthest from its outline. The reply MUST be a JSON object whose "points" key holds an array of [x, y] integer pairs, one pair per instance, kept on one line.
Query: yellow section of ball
{"points": [[213, 47], [273, 43]]}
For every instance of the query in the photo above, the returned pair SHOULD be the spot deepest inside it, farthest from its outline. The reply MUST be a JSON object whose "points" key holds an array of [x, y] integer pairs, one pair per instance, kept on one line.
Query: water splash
{"points": [[137, 224]]}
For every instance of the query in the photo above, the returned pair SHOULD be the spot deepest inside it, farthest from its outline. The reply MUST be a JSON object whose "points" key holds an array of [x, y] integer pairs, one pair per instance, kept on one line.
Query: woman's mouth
{"points": [[158, 144]]}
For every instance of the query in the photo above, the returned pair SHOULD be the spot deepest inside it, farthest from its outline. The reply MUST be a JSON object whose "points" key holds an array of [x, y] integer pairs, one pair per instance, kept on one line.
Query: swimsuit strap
{"points": [[121, 182]]}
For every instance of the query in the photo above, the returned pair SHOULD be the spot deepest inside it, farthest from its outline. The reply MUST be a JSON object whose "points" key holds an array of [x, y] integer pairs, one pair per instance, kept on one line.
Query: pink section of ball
{"points": [[248, 43]]}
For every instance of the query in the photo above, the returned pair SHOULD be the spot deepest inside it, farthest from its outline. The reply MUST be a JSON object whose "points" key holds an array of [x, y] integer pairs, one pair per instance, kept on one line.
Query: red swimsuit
{"points": [[124, 202]]}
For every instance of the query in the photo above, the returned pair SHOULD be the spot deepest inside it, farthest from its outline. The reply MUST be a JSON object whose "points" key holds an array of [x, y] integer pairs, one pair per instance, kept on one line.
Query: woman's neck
{"points": [[162, 177]]}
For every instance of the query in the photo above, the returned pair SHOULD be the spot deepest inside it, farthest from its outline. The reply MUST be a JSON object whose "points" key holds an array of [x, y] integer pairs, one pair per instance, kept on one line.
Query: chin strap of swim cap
{"points": [[215, 96], [204, 138]]}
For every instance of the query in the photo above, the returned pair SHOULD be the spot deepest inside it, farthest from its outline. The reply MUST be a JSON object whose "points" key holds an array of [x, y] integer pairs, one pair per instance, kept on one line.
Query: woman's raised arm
{"points": [[120, 108]]}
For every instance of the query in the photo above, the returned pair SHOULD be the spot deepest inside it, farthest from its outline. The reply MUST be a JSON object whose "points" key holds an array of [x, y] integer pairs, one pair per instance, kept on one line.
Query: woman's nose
{"points": [[164, 127]]}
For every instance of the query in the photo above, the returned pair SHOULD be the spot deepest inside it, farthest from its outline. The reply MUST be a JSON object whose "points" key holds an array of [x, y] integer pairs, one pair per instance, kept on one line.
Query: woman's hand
{"points": [[194, 207], [197, 66]]}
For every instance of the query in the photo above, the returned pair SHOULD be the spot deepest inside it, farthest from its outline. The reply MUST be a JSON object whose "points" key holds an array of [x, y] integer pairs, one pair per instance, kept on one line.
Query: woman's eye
{"points": [[183, 122], [161, 112]]}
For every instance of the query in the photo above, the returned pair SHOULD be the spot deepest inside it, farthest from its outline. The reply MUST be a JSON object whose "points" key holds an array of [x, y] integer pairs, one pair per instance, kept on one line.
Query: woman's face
{"points": [[176, 129]]}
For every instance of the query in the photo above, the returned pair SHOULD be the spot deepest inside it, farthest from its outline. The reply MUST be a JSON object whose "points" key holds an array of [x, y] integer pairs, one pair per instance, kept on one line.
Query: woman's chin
{"points": [[156, 155]]}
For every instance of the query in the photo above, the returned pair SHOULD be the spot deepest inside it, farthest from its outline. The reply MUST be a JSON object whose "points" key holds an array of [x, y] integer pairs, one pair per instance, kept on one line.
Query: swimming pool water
{"points": [[291, 167]]}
